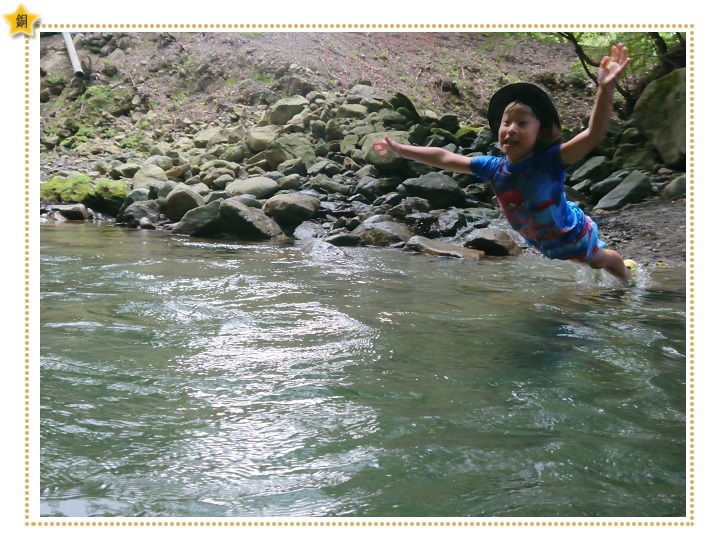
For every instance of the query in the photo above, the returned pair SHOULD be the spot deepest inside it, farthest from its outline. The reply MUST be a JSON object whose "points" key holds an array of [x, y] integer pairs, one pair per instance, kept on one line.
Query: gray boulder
{"points": [[200, 222], [285, 109], [440, 190], [127, 170], [291, 209], [134, 213], [677, 188], [386, 162], [290, 147], [361, 92], [164, 162], [634, 188], [147, 176], [246, 223], [642, 156], [181, 200], [259, 138], [660, 114], [595, 169], [432, 247], [203, 137], [409, 206], [491, 241], [140, 194], [260, 187], [75, 211], [309, 230], [383, 231], [600, 189], [352, 111]]}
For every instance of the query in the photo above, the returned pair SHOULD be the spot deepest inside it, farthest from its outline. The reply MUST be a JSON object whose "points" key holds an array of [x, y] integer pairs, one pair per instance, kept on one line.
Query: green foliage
{"points": [[265, 78], [81, 136], [50, 129], [98, 96], [180, 97], [180, 68], [642, 50], [132, 141]]}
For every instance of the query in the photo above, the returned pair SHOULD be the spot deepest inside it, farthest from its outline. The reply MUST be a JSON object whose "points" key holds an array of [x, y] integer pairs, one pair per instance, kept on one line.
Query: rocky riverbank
{"points": [[298, 164]]}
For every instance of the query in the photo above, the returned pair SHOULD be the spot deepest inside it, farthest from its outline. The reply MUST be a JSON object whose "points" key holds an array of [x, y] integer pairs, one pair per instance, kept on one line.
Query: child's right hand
{"points": [[386, 146]]}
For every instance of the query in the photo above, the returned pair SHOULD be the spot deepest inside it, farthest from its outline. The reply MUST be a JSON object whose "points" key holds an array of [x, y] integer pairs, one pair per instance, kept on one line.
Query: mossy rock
{"points": [[106, 196], [74, 189]]}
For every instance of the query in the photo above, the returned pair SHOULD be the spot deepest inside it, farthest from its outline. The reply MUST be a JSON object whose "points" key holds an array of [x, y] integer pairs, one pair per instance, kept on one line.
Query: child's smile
{"points": [[518, 132]]}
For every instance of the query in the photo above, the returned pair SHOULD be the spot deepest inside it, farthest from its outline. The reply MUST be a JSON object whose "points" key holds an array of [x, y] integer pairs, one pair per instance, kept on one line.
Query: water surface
{"points": [[190, 377]]}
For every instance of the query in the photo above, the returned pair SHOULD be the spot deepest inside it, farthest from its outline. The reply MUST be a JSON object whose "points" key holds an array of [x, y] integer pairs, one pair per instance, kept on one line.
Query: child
{"points": [[529, 180]]}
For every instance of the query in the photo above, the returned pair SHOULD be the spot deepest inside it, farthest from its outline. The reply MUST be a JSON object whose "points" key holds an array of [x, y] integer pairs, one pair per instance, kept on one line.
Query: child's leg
{"points": [[612, 262]]}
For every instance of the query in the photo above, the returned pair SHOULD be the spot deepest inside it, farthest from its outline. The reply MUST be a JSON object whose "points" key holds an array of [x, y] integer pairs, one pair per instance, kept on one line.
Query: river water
{"points": [[188, 377]]}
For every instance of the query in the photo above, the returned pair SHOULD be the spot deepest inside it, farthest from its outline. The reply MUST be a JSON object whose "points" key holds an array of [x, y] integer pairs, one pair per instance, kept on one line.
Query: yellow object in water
{"points": [[631, 266]]}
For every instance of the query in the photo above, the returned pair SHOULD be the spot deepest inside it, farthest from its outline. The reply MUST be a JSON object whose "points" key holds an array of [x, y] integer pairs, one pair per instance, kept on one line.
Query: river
{"points": [[192, 377]]}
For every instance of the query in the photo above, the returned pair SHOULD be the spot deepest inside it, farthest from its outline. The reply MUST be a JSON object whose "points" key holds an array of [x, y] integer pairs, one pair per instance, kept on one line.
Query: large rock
{"points": [[259, 138], [634, 188], [660, 114], [285, 109], [203, 137], [373, 187], [260, 187], [246, 223], [386, 162], [290, 147], [148, 175], [352, 111], [181, 200], [76, 211], [595, 168], [677, 188], [200, 222], [432, 247], [643, 156], [139, 194], [440, 190], [492, 241], [291, 209], [309, 230], [383, 231], [127, 170], [600, 189], [134, 213], [363, 92]]}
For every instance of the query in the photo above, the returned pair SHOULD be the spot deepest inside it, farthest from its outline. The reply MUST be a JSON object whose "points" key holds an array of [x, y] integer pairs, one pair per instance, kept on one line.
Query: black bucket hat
{"points": [[529, 94]]}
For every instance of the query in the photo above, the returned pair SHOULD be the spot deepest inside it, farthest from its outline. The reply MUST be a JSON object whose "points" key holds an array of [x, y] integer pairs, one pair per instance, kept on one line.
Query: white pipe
{"points": [[77, 69]]}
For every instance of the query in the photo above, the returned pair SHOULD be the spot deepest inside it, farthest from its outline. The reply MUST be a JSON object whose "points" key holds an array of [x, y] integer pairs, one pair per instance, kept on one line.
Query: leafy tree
{"points": [[653, 55]]}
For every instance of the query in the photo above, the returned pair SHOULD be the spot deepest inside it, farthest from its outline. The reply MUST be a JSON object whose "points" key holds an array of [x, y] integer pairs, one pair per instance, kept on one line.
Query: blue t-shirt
{"points": [[532, 197]]}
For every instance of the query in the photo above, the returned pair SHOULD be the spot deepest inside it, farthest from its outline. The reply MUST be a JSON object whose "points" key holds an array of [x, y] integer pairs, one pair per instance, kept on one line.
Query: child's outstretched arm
{"points": [[432, 156], [585, 142]]}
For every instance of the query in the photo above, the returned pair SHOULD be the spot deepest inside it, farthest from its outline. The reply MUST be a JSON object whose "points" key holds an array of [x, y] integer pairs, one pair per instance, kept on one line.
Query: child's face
{"points": [[518, 132]]}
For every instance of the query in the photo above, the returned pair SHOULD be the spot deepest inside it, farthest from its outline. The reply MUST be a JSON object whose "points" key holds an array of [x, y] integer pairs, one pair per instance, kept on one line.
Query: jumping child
{"points": [[529, 180]]}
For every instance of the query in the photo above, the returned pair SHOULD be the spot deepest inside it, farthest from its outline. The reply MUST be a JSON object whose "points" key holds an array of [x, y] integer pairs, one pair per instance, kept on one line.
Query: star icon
{"points": [[21, 21]]}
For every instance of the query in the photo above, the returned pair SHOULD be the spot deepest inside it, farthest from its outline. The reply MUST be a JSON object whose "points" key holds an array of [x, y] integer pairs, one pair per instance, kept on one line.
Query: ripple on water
{"points": [[204, 378]]}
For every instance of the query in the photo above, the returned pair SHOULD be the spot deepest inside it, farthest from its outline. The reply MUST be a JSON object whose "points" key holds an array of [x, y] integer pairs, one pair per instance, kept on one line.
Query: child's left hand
{"points": [[611, 68]]}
